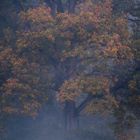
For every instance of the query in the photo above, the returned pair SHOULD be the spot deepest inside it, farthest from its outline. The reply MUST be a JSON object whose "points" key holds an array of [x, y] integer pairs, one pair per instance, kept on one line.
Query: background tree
{"points": [[127, 115]]}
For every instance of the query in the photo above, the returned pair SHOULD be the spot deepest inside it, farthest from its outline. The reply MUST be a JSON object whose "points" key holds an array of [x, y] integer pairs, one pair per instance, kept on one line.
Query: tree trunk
{"points": [[71, 116], [71, 6], [53, 6], [60, 7]]}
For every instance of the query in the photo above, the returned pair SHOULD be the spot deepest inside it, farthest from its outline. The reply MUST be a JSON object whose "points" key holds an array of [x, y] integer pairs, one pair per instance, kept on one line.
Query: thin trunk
{"points": [[60, 7], [18, 5], [71, 6], [52, 5], [54, 8]]}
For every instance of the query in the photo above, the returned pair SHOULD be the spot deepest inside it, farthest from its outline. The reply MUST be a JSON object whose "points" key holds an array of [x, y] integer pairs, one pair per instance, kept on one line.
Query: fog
{"points": [[49, 125]]}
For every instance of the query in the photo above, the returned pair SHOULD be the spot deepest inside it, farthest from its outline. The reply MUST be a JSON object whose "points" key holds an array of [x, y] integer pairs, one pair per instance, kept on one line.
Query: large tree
{"points": [[79, 49], [90, 48]]}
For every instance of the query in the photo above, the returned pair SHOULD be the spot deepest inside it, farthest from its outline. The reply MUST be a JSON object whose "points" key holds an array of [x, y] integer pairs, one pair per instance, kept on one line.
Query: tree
{"points": [[93, 46], [21, 89], [23, 86], [127, 114], [79, 49], [97, 49]]}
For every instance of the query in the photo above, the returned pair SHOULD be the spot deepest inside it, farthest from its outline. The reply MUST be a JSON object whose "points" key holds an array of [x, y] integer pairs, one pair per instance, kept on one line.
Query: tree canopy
{"points": [[84, 54]]}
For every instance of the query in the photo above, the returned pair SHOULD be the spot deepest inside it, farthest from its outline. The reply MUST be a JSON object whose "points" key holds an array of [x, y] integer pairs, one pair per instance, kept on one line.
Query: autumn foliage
{"points": [[92, 38], [80, 54]]}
